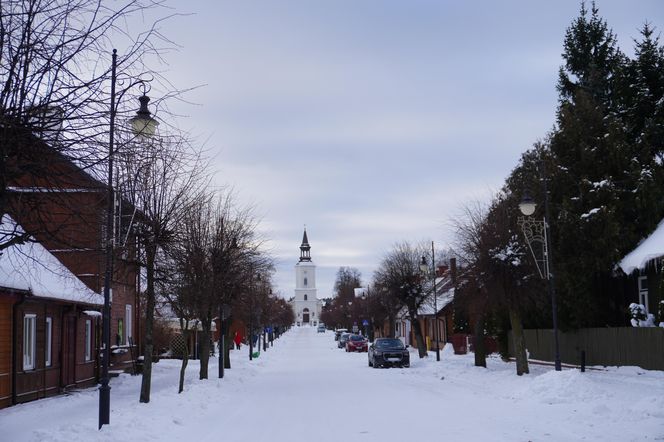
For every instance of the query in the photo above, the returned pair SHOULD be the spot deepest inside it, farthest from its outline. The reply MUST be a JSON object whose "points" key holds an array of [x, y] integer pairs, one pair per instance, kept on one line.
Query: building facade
{"points": [[306, 305]]}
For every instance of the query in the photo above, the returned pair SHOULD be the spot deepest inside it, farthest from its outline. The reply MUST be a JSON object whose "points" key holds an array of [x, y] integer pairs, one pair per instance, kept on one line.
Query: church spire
{"points": [[304, 248]]}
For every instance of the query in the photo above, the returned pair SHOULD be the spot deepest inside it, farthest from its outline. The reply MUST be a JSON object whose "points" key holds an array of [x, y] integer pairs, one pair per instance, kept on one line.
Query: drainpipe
{"points": [[14, 346]]}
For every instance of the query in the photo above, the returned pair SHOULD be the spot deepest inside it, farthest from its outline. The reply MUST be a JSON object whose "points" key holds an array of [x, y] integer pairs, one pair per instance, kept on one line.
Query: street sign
{"points": [[365, 323], [355, 329]]}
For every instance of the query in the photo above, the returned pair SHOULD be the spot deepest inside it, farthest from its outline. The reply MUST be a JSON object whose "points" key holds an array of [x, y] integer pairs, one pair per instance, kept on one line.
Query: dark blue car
{"points": [[388, 352]]}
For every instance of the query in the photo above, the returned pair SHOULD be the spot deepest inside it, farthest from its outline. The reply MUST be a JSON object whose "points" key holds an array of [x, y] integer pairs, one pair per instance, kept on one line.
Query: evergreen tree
{"points": [[590, 151], [642, 110]]}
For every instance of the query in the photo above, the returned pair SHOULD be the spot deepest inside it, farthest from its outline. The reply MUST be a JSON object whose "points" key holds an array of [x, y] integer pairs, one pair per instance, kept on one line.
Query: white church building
{"points": [[306, 305]]}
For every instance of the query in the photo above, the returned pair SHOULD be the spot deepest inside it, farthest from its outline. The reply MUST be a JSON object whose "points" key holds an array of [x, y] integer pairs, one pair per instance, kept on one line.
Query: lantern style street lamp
{"points": [[424, 268], [537, 231], [143, 125]]}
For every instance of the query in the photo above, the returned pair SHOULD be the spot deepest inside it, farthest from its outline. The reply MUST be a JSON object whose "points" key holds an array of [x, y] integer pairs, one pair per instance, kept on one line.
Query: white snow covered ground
{"points": [[304, 388]]}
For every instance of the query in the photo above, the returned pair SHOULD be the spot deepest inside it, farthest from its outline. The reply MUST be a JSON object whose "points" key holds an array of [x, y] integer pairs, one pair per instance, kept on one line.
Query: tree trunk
{"points": [[185, 360], [393, 329], [419, 338], [478, 341], [228, 344], [150, 252], [519, 342], [204, 349]]}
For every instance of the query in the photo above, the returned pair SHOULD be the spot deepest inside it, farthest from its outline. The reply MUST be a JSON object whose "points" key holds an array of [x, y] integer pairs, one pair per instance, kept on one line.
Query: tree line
{"points": [[601, 168]]}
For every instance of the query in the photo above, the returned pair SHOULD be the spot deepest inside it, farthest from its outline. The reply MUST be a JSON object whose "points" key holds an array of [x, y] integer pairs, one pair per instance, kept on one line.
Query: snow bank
{"points": [[305, 387]]}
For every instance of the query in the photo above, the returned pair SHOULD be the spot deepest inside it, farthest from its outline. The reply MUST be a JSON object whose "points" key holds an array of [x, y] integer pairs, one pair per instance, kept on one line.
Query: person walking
{"points": [[238, 340]]}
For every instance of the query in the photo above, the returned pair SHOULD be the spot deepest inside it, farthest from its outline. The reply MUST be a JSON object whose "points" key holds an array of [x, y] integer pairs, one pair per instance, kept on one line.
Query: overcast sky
{"points": [[371, 121]]}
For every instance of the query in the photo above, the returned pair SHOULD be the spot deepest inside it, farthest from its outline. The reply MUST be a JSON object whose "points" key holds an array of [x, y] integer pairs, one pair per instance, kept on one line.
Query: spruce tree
{"points": [[642, 105], [590, 151]]}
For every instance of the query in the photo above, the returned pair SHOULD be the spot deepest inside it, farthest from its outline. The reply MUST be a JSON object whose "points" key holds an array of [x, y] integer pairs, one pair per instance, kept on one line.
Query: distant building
{"points": [[306, 305]]}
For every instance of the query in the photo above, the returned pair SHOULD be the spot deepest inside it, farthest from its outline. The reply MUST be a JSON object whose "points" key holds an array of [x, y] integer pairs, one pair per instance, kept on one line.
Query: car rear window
{"points": [[356, 338]]}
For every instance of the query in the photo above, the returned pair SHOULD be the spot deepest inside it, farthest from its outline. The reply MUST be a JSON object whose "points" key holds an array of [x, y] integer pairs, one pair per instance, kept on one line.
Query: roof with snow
{"points": [[650, 248], [32, 268], [442, 300]]}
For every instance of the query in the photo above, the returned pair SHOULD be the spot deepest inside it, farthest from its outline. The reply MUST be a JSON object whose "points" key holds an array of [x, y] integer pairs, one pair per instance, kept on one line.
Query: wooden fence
{"points": [[639, 346]]}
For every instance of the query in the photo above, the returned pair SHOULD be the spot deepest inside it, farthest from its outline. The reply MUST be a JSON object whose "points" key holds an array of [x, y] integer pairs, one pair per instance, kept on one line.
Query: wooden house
{"points": [[48, 324], [63, 208]]}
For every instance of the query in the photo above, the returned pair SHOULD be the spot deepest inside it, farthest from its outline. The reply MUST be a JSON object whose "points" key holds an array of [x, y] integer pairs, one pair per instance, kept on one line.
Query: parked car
{"points": [[388, 352], [321, 328], [338, 332], [357, 343], [343, 339]]}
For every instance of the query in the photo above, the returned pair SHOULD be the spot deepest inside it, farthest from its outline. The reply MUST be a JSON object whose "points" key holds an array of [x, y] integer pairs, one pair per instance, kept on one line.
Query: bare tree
{"points": [[192, 294], [399, 274], [234, 243], [54, 97], [496, 275], [161, 178], [472, 292], [339, 311]]}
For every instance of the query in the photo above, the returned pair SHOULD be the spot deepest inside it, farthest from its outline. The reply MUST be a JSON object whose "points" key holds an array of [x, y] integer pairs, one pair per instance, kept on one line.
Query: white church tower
{"points": [[306, 306]]}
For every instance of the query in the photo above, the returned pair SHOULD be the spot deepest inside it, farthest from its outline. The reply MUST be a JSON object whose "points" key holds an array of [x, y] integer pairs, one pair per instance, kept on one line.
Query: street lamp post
{"points": [[365, 322], [142, 124], [425, 269], [538, 231]]}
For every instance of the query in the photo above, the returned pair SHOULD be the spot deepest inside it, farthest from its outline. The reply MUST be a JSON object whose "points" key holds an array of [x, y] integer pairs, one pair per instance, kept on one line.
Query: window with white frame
{"points": [[88, 339], [128, 318], [48, 337], [643, 292], [29, 341]]}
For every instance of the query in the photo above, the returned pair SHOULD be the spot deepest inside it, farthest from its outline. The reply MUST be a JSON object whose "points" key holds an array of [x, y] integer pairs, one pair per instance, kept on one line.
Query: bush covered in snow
{"points": [[639, 316]]}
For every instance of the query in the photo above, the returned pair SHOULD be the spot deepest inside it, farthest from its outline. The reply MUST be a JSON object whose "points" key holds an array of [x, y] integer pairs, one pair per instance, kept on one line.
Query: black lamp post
{"points": [[538, 231], [142, 125], [251, 317], [365, 322], [424, 267]]}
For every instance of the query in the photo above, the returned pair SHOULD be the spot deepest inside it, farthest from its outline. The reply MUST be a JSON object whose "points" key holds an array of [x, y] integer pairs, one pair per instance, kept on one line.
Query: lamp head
{"points": [[143, 124], [424, 267], [527, 205]]}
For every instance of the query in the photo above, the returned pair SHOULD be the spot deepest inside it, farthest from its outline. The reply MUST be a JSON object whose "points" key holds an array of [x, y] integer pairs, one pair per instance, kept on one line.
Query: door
{"points": [[69, 351]]}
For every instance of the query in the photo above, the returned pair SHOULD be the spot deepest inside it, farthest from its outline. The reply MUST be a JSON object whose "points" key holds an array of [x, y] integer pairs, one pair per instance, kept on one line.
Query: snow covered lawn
{"points": [[304, 388]]}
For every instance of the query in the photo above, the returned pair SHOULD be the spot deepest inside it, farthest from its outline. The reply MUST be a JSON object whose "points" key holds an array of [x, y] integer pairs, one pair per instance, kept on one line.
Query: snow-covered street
{"points": [[305, 388]]}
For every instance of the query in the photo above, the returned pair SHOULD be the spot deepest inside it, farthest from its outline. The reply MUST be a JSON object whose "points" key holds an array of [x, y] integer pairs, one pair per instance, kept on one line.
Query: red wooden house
{"points": [[64, 211], [48, 323]]}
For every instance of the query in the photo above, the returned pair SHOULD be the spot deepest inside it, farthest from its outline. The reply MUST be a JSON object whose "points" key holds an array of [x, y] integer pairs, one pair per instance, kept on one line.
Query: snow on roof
{"points": [[360, 291], [32, 268], [650, 248], [442, 300]]}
